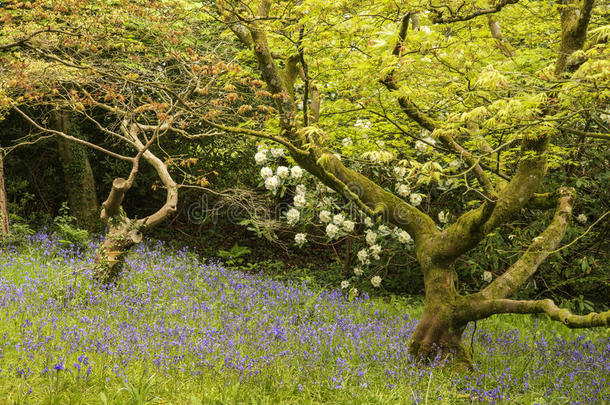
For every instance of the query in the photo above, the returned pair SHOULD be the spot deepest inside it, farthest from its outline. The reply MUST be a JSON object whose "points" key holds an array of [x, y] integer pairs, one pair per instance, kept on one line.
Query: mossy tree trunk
{"points": [[123, 232], [80, 183], [446, 312]]}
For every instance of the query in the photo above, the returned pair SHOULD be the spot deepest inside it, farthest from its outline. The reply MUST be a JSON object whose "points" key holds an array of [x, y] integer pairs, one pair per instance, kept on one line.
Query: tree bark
{"points": [[78, 175], [438, 335], [3, 200]]}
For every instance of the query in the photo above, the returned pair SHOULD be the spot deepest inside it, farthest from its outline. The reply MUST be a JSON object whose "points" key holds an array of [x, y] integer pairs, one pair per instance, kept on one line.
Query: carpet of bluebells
{"points": [[180, 329]]}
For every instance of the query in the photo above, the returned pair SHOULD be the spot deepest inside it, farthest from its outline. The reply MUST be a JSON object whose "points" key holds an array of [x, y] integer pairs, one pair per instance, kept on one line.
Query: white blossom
{"points": [[455, 164], [403, 190], [324, 216], [400, 171], [293, 216], [425, 28], [383, 229], [277, 152], [296, 172], [487, 276], [442, 217], [282, 172], [338, 219], [354, 292], [371, 237], [415, 199], [421, 146], [344, 284], [348, 226], [375, 250], [582, 218], [358, 271], [363, 123], [363, 255], [346, 142], [261, 147], [266, 172], [332, 230], [376, 281], [261, 157], [368, 222], [300, 238], [299, 200], [301, 189], [404, 237], [271, 183]]}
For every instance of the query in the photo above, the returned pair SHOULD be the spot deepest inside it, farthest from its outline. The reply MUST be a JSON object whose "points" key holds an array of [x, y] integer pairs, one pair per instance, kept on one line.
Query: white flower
{"points": [[331, 230], [371, 237], [296, 172], [487, 276], [376, 281], [346, 142], [338, 219], [261, 157], [271, 183], [363, 123], [266, 172], [277, 152], [300, 238], [358, 271], [404, 237], [400, 171], [363, 255], [442, 217], [301, 189], [282, 172], [421, 147], [348, 226], [415, 199], [425, 28], [344, 284], [261, 147], [299, 200], [383, 229], [368, 222], [455, 164], [375, 250], [293, 216], [430, 140], [354, 292], [403, 190], [324, 216], [582, 218]]}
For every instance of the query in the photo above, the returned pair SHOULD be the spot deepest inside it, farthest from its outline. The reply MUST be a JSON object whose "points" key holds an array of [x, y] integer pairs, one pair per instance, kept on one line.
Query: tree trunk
{"points": [[438, 334], [80, 183], [109, 258], [3, 200]]}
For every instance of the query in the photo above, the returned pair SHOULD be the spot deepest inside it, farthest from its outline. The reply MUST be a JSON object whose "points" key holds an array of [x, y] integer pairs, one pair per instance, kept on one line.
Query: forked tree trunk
{"points": [[110, 256]]}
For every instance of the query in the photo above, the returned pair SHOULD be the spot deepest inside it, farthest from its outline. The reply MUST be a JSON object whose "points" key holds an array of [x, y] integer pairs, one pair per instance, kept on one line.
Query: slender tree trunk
{"points": [[80, 182], [3, 200]]}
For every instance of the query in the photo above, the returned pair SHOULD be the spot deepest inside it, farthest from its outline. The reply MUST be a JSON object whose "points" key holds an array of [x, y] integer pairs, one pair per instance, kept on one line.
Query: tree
{"points": [[471, 98], [121, 70], [78, 175]]}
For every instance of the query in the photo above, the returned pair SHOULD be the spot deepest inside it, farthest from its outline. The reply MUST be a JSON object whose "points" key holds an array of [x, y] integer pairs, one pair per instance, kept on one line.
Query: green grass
{"points": [[50, 316]]}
